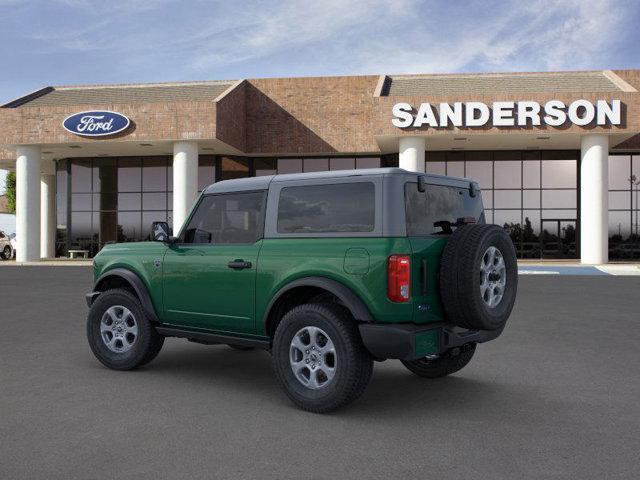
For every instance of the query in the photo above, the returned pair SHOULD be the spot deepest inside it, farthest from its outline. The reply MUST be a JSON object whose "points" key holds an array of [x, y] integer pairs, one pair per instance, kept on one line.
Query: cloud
{"points": [[83, 41], [539, 35], [410, 37], [292, 25]]}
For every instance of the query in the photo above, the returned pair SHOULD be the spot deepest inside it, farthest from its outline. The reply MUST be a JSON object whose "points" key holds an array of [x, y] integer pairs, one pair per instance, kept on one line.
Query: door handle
{"points": [[239, 264]]}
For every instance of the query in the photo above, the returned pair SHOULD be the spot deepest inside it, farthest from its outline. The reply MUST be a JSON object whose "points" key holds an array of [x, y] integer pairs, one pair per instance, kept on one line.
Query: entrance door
{"points": [[558, 238], [209, 275]]}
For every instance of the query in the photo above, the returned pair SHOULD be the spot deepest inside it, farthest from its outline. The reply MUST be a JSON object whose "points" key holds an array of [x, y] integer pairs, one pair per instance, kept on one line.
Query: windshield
{"points": [[440, 209]]}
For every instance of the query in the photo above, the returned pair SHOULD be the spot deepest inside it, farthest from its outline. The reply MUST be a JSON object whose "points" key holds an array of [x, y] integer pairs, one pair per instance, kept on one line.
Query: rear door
{"points": [[209, 275], [431, 216]]}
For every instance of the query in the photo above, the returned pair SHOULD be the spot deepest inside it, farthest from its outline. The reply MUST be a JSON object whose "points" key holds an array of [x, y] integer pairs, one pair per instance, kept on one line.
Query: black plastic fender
{"points": [[350, 300], [132, 279]]}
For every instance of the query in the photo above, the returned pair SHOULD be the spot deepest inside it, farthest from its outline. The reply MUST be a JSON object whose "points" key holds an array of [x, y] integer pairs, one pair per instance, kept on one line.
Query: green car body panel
{"points": [[192, 286], [139, 258]]}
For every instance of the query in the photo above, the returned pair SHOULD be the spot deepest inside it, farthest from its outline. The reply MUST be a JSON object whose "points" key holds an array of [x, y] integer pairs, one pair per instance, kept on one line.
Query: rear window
{"points": [[437, 210], [340, 208]]}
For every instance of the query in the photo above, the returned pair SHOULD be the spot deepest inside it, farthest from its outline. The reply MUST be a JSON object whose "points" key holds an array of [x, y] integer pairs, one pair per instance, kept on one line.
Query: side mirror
{"points": [[160, 231], [473, 189]]}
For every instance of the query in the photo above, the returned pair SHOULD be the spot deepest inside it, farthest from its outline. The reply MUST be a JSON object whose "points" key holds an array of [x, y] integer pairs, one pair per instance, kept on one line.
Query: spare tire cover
{"points": [[479, 277]]}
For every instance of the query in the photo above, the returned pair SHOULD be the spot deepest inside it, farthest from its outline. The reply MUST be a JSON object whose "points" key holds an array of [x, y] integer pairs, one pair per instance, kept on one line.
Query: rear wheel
{"points": [[6, 253], [120, 334], [436, 366], [319, 358]]}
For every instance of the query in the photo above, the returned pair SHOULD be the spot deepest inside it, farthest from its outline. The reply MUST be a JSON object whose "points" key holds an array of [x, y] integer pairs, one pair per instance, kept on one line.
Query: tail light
{"points": [[399, 278]]}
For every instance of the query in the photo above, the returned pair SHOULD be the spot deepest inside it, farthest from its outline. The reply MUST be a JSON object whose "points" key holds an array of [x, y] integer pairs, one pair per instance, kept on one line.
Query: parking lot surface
{"points": [[556, 396]]}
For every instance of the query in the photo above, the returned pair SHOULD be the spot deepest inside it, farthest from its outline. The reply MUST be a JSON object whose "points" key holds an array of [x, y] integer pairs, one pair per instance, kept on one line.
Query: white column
{"points": [[47, 215], [185, 181], [411, 153], [28, 203], [594, 201]]}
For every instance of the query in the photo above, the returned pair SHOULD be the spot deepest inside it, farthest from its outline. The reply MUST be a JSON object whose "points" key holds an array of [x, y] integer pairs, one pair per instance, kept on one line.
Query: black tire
{"points": [[461, 277], [450, 362], [6, 253], [241, 348], [353, 363], [144, 348]]}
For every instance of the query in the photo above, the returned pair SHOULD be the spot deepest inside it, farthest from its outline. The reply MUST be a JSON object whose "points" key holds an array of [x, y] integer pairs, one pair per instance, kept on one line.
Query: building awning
{"points": [[114, 94], [504, 83]]}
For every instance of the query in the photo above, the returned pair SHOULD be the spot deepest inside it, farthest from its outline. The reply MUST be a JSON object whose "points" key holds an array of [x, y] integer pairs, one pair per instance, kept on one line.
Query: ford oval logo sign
{"points": [[96, 124]]}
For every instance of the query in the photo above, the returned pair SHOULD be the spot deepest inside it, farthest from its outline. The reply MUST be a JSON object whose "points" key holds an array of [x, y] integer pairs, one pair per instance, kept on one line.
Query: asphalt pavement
{"points": [[556, 396]]}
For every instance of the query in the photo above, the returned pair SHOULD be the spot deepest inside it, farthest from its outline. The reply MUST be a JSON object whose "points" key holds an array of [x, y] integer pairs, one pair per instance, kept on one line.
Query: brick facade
{"points": [[288, 116]]}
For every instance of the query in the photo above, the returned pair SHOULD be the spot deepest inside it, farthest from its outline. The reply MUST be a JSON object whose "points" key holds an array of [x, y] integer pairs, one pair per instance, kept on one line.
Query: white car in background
{"points": [[14, 243], [7, 245]]}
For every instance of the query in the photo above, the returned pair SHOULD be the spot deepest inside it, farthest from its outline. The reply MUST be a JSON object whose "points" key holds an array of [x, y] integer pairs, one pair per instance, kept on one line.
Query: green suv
{"points": [[328, 271]]}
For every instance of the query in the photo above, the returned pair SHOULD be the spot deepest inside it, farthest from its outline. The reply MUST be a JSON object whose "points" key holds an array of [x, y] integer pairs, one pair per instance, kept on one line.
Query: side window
{"points": [[2, 235], [235, 218], [337, 208]]}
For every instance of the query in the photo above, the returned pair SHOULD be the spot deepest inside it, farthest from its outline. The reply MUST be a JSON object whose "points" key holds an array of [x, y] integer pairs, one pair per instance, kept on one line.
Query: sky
{"points": [[71, 42]]}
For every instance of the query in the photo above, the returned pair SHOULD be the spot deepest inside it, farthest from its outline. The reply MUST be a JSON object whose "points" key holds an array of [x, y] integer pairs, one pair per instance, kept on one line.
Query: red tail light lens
{"points": [[399, 278]]}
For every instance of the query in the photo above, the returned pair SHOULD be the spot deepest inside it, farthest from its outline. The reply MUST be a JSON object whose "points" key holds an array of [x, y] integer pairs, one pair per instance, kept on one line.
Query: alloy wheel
{"points": [[312, 356], [493, 277], [118, 329]]}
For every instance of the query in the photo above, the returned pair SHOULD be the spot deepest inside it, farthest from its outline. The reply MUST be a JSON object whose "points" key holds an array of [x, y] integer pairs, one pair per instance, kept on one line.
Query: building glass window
{"points": [[533, 194], [289, 165], [316, 164], [154, 174], [113, 198], [206, 171], [264, 166], [368, 162], [233, 167], [129, 174], [61, 208], [624, 201], [437, 168], [531, 174], [526, 192], [481, 172], [81, 175], [531, 198], [508, 174], [559, 174], [312, 164], [342, 163], [507, 199]]}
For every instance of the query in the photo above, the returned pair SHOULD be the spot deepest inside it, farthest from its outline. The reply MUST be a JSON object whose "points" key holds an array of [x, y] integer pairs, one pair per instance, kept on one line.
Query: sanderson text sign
{"points": [[507, 114], [96, 124]]}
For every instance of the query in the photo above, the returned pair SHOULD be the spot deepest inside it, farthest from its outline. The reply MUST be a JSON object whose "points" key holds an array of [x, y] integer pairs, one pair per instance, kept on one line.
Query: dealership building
{"points": [[557, 154]]}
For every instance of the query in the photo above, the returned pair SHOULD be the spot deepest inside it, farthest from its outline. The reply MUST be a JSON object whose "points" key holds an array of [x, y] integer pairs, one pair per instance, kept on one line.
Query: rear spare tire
{"points": [[479, 277]]}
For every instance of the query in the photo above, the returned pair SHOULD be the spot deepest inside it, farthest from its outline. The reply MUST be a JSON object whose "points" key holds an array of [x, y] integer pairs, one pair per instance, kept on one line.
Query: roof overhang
{"points": [[462, 140]]}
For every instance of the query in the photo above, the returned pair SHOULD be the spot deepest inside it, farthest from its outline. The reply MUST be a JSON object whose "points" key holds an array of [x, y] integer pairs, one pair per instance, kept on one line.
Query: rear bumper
{"points": [[409, 341]]}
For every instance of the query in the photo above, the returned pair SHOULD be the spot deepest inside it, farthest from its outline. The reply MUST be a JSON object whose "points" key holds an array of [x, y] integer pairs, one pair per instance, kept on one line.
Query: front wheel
{"points": [[442, 365], [120, 334], [319, 358]]}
